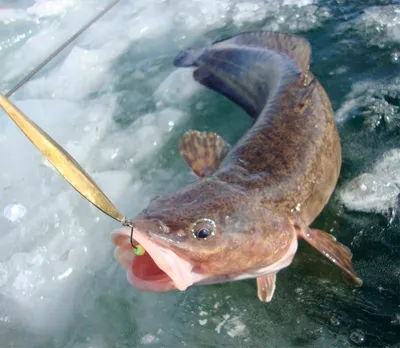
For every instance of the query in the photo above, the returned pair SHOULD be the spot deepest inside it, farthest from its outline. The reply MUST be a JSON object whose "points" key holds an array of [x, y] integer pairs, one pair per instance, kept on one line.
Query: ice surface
{"points": [[179, 86], [48, 254], [370, 193], [44, 8], [41, 34], [375, 105], [287, 15], [249, 12], [302, 16], [59, 283], [201, 15], [380, 25], [14, 212], [376, 102], [377, 191]]}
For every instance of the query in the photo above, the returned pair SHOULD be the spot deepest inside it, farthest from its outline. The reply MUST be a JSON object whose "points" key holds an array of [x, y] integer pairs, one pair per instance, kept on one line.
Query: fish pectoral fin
{"points": [[336, 252], [203, 151], [266, 287]]}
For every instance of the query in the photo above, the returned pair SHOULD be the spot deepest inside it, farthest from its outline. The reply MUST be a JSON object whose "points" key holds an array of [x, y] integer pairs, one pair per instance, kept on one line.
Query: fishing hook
{"points": [[137, 249]]}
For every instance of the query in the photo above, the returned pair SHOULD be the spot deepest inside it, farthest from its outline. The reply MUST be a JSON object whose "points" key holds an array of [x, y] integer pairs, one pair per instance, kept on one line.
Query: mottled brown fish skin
{"points": [[291, 157], [272, 184], [242, 240]]}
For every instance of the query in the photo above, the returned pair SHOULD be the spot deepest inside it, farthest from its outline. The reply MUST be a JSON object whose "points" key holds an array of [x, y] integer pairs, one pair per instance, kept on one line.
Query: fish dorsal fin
{"points": [[266, 287], [248, 67], [203, 151], [304, 94]]}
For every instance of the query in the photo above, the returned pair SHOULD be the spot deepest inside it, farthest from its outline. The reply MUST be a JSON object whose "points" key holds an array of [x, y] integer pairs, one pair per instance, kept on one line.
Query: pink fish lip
{"points": [[159, 269]]}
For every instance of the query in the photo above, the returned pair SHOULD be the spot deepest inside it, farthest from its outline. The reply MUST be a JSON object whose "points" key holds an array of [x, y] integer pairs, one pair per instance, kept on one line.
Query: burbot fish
{"points": [[252, 201]]}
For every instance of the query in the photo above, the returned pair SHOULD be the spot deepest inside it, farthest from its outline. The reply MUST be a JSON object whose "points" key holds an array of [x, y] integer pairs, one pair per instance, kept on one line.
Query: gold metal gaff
{"points": [[61, 160]]}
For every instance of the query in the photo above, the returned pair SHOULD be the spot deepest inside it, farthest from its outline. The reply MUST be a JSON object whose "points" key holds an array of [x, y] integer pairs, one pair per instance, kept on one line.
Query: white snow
{"points": [[377, 191], [21, 52], [380, 25], [370, 193], [203, 321], [235, 327], [222, 323], [179, 86], [14, 212], [55, 248], [374, 103], [249, 12], [149, 339], [47, 231], [293, 16]]}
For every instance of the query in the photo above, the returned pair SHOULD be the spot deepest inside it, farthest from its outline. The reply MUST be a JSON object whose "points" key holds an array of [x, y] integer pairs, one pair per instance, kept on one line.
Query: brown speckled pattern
{"points": [[290, 158], [203, 151], [279, 175], [243, 239]]}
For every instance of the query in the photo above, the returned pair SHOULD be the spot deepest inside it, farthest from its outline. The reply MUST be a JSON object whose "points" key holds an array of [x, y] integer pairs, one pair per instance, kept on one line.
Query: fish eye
{"points": [[203, 233], [203, 229]]}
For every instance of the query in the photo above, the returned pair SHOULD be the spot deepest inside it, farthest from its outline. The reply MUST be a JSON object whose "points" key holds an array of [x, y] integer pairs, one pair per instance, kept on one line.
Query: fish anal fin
{"points": [[336, 252], [203, 151], [266, 287]]}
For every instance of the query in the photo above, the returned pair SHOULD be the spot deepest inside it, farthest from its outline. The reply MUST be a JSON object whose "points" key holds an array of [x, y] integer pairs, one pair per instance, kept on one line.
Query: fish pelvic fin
{"points": [[203, 151], [336, 252], [266, 287], [248, 67]]}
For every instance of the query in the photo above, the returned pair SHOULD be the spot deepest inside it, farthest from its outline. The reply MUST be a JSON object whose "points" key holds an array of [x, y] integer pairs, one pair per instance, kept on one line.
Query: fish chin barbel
{"points": [[66, 165]]}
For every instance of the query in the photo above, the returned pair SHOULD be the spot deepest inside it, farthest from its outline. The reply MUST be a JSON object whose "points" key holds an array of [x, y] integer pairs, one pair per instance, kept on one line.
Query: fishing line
{"points": [[60, 49]]}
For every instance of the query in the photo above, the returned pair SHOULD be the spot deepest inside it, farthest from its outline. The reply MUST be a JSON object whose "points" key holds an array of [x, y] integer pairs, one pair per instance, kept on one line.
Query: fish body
{"points": [[252, 201]]}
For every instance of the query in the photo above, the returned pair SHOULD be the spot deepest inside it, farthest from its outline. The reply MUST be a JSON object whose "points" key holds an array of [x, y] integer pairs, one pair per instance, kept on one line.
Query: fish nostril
{"points": [[163, 227], [158, 226]]}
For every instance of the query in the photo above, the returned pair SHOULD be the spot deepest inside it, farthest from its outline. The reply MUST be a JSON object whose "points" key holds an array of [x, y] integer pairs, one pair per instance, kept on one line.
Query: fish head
{"points": [[207, 232]]}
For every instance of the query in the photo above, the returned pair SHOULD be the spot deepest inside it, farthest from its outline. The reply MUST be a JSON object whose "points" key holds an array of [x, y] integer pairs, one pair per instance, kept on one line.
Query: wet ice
{"points": [[370, 193], [380, 25], [14, 212], [376, 106], [57, 273]]}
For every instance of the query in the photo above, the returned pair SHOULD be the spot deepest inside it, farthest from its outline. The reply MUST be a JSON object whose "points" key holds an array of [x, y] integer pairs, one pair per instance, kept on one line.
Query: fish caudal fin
{"points": [[247, 68], [336, 252], [203, 151], [266, 287]]}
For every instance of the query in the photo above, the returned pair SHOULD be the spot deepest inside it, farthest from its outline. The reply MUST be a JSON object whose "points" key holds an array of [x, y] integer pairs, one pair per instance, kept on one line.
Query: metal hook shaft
{"points": [[137, 249]]}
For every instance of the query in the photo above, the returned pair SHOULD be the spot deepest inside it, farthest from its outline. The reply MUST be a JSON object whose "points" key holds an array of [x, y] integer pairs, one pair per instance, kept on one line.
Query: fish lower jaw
{"points": [[161, 270], [158, 270]]}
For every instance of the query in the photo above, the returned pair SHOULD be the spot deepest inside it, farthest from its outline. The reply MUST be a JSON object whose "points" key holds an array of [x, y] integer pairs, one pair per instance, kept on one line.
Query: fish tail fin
{"points": [[247, 67]]}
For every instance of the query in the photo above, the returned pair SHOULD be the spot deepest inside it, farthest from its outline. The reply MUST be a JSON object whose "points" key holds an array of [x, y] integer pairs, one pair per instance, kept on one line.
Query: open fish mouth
{"points": [[158, 270]]}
